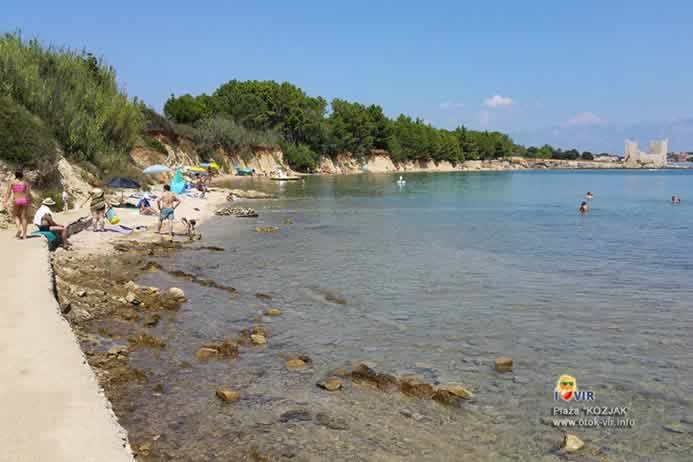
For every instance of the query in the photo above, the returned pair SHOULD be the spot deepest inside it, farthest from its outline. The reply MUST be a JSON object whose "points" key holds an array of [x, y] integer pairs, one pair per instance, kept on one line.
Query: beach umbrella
{"points": [[121, 182], [154, 169]]}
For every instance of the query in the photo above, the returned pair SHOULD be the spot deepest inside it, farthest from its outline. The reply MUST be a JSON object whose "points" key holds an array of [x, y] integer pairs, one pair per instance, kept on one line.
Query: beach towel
{"points": [[177, 183], [118, 229], [52, 238]]}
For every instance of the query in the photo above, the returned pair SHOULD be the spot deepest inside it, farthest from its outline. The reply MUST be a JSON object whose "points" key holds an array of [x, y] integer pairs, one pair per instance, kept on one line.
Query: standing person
{"points": [[97, 206], [18, 198], [43, 218], [66, 199], [167, 204]]}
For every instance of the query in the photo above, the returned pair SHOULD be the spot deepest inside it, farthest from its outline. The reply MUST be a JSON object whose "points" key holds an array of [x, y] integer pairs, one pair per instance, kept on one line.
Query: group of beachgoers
{"points": [[19, 201], [584, 206]]}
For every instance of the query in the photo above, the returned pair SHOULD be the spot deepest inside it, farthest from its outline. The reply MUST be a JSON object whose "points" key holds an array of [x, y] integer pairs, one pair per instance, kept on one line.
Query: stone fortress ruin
{"points": [[655, 156]]}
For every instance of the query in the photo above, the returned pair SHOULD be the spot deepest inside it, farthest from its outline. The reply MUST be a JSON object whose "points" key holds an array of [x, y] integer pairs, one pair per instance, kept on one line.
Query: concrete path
{"points": [[51, 407]]}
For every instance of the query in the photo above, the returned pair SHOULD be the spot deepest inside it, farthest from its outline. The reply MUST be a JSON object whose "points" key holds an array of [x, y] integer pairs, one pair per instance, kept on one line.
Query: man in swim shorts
{"points": [[167, 204]]}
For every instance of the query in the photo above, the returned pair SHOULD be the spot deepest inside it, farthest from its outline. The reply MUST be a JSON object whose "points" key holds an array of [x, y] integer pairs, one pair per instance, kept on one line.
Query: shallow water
{"points": [[440, 277]]}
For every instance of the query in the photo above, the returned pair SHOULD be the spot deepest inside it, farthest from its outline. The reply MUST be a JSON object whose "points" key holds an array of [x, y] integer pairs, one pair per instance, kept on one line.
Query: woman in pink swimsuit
{"points": [[18, 197]]}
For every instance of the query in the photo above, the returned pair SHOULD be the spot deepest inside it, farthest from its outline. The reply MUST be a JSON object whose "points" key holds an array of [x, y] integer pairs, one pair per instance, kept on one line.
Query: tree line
{"points": [[308, 127], [71, 100]]}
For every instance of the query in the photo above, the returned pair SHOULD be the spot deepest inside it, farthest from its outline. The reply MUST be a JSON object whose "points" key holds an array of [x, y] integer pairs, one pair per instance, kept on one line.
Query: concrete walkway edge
{"points": [[51, 407]]}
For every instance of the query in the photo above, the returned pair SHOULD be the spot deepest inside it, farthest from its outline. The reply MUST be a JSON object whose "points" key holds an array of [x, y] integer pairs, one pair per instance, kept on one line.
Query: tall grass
{"points": [[74, 93]]}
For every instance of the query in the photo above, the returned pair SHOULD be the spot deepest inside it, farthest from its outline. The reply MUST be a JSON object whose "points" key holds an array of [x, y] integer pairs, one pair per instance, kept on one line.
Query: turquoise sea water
{"points": [[440, 277]]}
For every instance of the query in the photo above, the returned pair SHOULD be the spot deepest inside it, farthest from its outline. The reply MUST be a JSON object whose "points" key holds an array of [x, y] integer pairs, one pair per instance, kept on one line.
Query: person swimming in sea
{"points": [[589, 196], [584, 208], [675, 200]]}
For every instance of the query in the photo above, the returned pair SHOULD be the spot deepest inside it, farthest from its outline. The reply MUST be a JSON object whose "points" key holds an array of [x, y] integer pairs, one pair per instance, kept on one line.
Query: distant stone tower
{"points": [[656, 156]]}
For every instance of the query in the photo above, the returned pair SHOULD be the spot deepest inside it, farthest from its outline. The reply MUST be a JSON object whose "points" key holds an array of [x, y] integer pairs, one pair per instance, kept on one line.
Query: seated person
{"points": [[45, 222], [146, 207]]}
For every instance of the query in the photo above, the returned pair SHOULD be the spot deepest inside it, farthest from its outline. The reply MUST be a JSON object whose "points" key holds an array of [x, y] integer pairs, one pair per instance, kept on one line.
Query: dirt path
{"points": [[52, 407]]}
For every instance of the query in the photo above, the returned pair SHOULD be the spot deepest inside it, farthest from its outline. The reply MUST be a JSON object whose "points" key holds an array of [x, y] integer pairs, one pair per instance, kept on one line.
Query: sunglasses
{"points": [[567, 384]]}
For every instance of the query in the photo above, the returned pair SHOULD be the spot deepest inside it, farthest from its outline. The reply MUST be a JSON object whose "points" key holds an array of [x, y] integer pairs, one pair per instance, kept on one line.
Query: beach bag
{"points": [[112, 217]]}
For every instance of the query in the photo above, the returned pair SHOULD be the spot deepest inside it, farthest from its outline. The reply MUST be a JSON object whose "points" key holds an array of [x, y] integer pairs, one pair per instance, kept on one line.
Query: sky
{"points": [[584, 74]]}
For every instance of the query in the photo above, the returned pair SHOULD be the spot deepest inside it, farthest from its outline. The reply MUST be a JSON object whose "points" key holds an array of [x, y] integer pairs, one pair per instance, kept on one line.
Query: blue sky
{"points": [[586, 74]]}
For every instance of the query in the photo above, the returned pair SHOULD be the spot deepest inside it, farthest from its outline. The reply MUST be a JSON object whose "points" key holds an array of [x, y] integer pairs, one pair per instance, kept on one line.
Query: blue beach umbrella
{"points": [[154, 169]]}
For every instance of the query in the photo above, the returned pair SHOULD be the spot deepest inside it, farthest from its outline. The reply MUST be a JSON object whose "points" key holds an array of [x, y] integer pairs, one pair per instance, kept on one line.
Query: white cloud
{"points": [[498, 101], [450, 105], [484, 118], [582, 119]]}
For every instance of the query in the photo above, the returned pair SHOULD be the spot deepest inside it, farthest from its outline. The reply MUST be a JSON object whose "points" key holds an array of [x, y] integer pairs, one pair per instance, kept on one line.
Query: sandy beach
{"points": [[54, 409]]}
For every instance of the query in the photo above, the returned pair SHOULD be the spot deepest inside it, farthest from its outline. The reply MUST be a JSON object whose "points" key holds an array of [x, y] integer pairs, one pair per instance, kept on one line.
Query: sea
{"points": [[435, 279]]}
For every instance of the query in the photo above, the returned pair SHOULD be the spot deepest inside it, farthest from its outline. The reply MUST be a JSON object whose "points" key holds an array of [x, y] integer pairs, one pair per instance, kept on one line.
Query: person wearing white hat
{"points": [[45, 222]]}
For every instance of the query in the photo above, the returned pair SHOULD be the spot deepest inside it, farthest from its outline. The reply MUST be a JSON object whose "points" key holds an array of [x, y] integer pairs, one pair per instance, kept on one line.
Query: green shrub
{"points": [[74, 94], [300, 157], [154, 144], [212, 134], [25, 141], [185, 131]]}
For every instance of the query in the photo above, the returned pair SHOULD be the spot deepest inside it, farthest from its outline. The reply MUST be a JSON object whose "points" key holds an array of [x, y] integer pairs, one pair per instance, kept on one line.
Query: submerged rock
{"points": [[266, 229], [382, 381], [242, 212], [297, 415], [173, 297], [263, 296], [333, 423], [457, 390], [295, 364], [504, 364], [145, 339], [331, 384], [273, 312], [204, 353], [226, 394], [151, 319], [572, 443], [411, 386], [258, 339]]}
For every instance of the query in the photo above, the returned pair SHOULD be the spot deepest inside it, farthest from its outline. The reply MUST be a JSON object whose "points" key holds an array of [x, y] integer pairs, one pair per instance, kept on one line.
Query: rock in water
{"points": [[572, 443], [173, 297], [151, 319], [416, 388], [458, 390], [258, 339], [131, 298], [297, 415], [266, 229], [504, 364], [226, 394], [204, 353], [331, 384], [295, 364], [273, 312]]}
